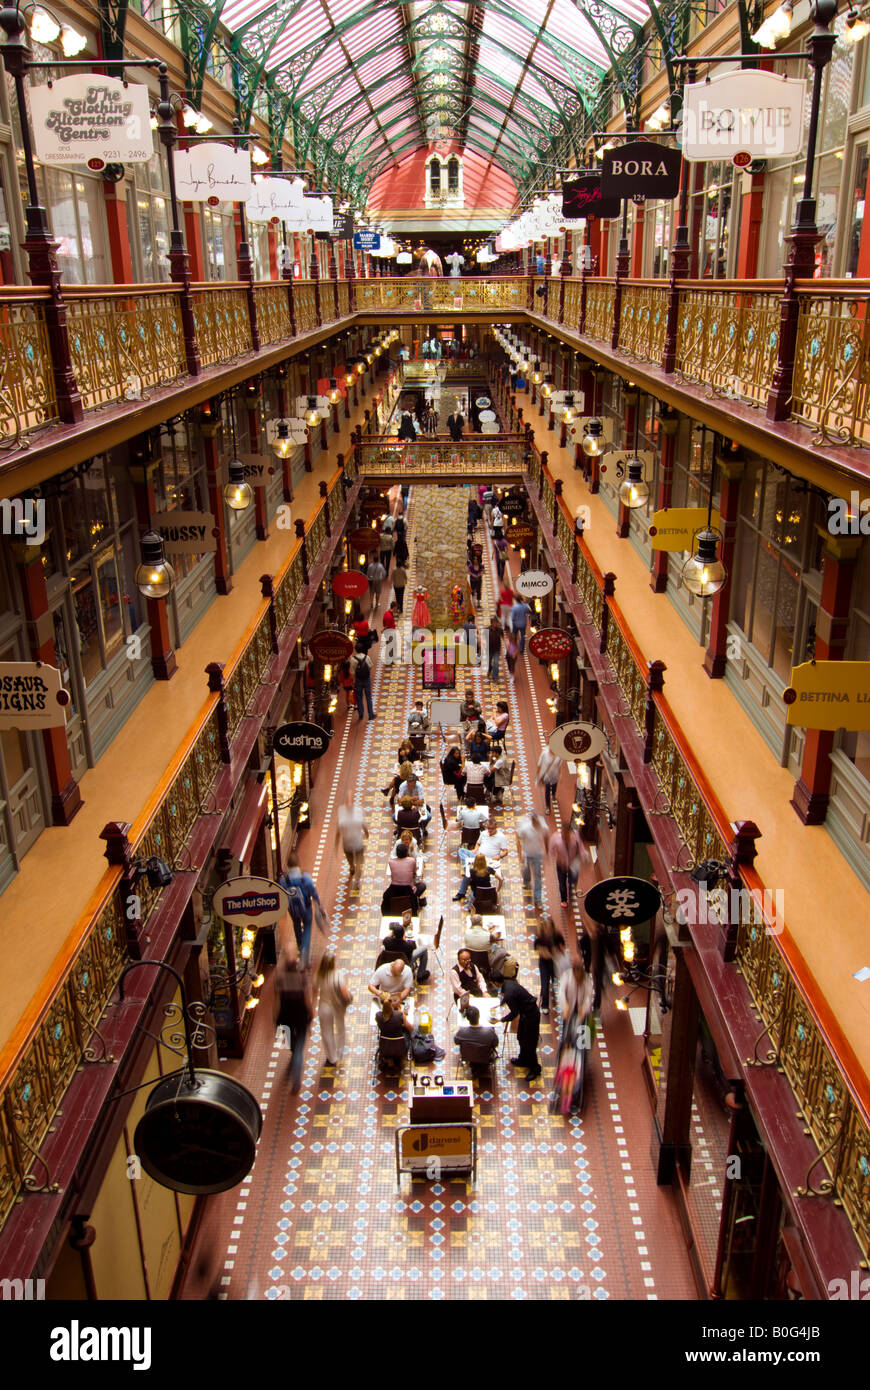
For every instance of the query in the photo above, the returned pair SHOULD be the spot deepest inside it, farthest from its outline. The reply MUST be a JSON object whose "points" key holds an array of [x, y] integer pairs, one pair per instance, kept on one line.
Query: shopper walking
{"points": [[548, 773], [400, 579], [533, 835], [362, 683], [566, 854], [302, 894], [352, 832], [376, 574], [295, 1010], [495, 637], [521, 1005], [333, 999]]}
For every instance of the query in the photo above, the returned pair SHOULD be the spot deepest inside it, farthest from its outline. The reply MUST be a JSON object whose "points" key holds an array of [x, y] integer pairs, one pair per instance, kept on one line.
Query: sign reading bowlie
{"points": [[829, 695], [673, 528], [577, 742], [640, 169], [759, 114], [533, 584], [31, 696], [89, 119], [551, 644], [330, 645], [621, 902], [366, 241], [301, 742], [250, 902]]}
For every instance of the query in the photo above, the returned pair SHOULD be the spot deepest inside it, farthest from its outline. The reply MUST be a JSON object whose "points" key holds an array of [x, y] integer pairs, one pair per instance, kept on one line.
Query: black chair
{"points": [[481, 960], [470, 836], [392, 1050], [386, 957], [477, 1056], [394, 904], [419, 745], [477, 793], [485, 900]]}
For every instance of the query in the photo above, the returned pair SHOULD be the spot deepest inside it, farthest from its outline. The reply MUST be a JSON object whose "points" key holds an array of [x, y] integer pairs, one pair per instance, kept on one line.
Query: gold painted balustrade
{"points": [[59, 1033], [499, 454], [643, 319], [425, 295], [831, 389], [273, 312], [727, 339], [222, 322], [27, 398], [804, 1039], [122, 343]]}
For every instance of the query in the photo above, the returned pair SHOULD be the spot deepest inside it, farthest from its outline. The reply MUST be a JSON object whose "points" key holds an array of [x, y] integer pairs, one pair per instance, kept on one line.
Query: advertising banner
{"points": [[31, 696], [829, 695]]}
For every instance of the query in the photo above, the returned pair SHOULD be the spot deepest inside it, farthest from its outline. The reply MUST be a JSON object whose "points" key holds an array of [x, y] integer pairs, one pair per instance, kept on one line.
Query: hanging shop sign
{"points": [[342, 226], [533, 584], [619, 459], [297, 429], [521, 536], [213, 173], [250, 902], [513, 505], [829, 695], [318, 215], [270, 198], [88, 119], [759, 114], [32, 696], [617, 902], [640, 169], [198, 1134], [366, 241], [577, 742], [186, 533], [301, 742], [349, 584], [364, 540], [551, 644], [673, 528], [582, 197], [258, 469], [330, 646]]}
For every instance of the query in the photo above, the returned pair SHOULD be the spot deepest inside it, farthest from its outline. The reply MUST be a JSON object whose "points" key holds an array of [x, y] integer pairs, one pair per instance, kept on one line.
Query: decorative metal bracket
{"points": [[29, 1182], [828, 1184]]}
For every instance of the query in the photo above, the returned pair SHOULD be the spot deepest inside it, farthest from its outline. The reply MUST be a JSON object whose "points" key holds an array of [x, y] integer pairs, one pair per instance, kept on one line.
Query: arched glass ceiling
{"points": [[378, 79]]}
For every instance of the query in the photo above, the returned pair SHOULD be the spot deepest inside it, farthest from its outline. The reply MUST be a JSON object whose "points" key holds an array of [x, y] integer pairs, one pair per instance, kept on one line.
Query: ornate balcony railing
{"points": [[727, 338], [122, 342], [222, 322], [412, 295], [472, 457], [831, 389], [805, 1041], [643, 319], [27, 396], [58, 1034], [273, 312]]}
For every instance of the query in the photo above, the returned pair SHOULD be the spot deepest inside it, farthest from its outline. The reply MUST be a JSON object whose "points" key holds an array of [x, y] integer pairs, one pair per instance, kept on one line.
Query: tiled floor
{"points": [[561, 1208]]}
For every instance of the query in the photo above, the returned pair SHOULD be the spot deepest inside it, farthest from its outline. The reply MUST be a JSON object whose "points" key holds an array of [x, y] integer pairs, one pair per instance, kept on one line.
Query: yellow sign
{"points": [[673, 528], [442, 1141], [829, 695]]}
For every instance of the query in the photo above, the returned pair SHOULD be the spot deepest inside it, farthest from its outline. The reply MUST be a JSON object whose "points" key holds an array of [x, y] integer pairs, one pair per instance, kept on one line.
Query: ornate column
{"points": [[732, 465]]}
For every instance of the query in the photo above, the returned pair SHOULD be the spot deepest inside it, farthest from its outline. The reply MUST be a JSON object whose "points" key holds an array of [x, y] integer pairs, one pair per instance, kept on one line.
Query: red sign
{"points": [[520, 535], [330, 645], [742, 159], [364, 539], [350, 584], [551, 643]]}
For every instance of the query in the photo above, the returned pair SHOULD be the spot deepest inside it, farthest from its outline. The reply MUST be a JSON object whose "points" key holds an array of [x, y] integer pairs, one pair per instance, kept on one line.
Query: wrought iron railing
{"points": [[122, 343], [831, 388], [468, 294], [222, 322], [27, 396], [643, 319], [431, 457], [727, 337], [273, 312]]}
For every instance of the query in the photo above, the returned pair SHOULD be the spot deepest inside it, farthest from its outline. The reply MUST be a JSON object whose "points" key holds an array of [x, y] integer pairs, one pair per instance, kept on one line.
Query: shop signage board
{"points": [[759, 114], [213, 173], [259, 468], [32, 696], [274, 198], [521, 535], [673, 528], [342, 226], [577, 742], [250, 902], [91, 119], [533, 584], [829, 695], [366, 241], [186, 533], [301, 741], [330, 646], [582, 197], [364, 540], [349, 584], [619, 459], [640, 169], [551, 644], [450, 1146], [622, 902], [513, 505]]}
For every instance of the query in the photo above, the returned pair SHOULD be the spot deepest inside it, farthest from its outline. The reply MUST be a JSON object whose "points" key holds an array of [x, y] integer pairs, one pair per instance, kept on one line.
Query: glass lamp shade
{"points": [[44, 28], [547, 388], [704, 574], [155, 576], [282, 444], [348, 380], [311, 415], [634, 491], [856, 29], [360, 368], [593, 439], [237, 493], [71, 41], [536, 378], [524, 365]]}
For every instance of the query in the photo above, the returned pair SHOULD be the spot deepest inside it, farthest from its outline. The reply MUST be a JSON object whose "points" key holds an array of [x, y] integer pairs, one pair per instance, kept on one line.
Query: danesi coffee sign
{"points": [[213, 173], [577, 742], [640, 169], [758, 114], [301, 742], [250, 902], [186, 533], [90, 119]]}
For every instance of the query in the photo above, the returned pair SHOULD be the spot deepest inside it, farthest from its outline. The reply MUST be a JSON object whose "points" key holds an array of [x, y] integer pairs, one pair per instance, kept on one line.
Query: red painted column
{"points": [[637, 242], [66, 797], [669, 423], [193, 240], [119, 235], [731, 468], [751, 214], [812, 789], [208, 427], [142, 469], [863, 271]]}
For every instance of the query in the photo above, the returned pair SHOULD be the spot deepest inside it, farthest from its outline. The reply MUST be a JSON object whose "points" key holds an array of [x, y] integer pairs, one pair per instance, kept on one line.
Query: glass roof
{"points": [[377, 79]]}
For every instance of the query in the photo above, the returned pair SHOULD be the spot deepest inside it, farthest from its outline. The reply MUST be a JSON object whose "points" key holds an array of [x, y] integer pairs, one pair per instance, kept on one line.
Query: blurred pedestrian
{"points": [[294, 1012], [333, 998], [352, 832]]}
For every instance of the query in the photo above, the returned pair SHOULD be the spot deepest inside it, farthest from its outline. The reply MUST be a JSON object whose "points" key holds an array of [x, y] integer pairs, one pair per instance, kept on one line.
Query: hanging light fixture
{"points": [[593, 438], [348, 380], [237, 493], [634, 491], [44, 28], [155, 576], [282, 444], [71, 41], [189, 117], [547, 388], [704, 573], [857, 27], [536, 374], [311, 415], [568, 416], [777, 26], [334, 393], [259, 155]]}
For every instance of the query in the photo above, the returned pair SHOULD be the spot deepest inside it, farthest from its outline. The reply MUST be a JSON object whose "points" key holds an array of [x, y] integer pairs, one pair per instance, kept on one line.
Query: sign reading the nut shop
{"points": [[759, 114], [250, 902], [577, 742], [829, 695], [31, 696], [90, 119]]}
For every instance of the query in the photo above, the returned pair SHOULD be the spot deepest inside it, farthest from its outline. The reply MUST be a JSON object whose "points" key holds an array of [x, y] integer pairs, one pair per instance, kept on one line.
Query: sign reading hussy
{"points": [[185, 533], [756, 113]]}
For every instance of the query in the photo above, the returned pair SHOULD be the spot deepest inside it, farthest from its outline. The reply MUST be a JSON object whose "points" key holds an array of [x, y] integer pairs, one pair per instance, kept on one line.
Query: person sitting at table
{"points": [[452, 774], [416, 956], [407, 817], [472, 816], [392, 1023], [498, 954], [393, 981], [411, 785], [402, 870], [418, 719], [475, 1032], [492, 844], [499, 775], [477, 936], [475, 770], [406, 838], [466, 978], [500, 721], [478, 741], [469, 709], [412, 790], [480, 876]]}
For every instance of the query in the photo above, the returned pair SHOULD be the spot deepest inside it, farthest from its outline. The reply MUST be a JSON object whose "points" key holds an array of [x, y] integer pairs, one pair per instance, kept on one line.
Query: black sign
{"points": [[301, 742], [622, 902], [513, 505], [582, 197], [641, 169], [342, 226]]}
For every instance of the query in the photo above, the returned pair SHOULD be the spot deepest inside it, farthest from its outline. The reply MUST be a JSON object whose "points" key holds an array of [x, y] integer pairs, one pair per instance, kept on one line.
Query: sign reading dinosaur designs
{"points": [[640, 169], [622, 902], [32, 696], [759, 114], [89, 119]]}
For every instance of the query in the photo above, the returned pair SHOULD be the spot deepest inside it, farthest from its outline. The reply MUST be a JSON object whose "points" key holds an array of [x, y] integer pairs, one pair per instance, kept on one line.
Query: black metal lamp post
{"points": [[804, 234]]}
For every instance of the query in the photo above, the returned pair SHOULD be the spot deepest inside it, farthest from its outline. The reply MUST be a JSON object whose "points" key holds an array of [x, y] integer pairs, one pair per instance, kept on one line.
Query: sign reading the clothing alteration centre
{"points": [[90, 119], [300, 741], [31, 696], [640, 169], [250, 902]]}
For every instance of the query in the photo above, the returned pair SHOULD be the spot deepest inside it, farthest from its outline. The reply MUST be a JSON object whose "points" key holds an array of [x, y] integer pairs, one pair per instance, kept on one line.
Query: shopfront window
{"points": [[148, 213], [219, 244], [857, 204], [856, 746], [180, 482]]}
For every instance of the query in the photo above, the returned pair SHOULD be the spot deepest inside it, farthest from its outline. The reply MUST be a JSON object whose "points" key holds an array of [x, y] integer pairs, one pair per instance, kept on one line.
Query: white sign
{"points": [[275, 198], [314, 215], [295, 427], [577, 742], [757, 113], [250, 902], [259, 468], [211, 172], [533, 584], [31, 696], [447, 713], [185, 533], [93, 120]]}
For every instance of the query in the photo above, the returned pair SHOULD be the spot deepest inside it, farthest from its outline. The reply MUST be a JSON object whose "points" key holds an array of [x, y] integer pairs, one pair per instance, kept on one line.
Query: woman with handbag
{"points": [[334, 996]]}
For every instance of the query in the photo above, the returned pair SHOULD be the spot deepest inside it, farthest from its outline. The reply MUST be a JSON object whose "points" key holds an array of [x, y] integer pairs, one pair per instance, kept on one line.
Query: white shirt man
{"points": [[476, 935], [533, 835], [352, 831], [492, 845], [496, 518], [394, 978], [472, 817]]}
